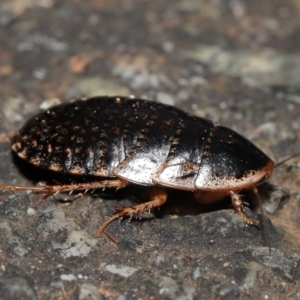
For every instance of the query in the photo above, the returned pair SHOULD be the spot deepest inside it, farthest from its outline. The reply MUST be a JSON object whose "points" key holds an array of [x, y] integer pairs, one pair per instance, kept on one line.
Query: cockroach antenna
{"points": [[286, 159]]}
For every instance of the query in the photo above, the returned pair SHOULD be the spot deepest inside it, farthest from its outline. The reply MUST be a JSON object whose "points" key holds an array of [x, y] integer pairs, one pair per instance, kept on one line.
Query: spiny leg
{"points": [[238, 205], [158, 197], [54, 189]]}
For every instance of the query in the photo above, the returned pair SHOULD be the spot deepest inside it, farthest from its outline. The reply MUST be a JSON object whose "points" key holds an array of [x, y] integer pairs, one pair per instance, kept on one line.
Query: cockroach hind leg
{"points": [[158, 197], [53, 189], [238, 205]]}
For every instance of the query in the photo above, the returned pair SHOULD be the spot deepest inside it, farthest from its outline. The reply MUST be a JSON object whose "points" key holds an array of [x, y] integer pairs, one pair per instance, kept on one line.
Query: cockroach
{"points": [[122, 141]]}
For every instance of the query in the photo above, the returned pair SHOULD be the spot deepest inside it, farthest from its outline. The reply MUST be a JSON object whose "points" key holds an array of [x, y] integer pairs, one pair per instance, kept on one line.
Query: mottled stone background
{"points": [[236, 62]]}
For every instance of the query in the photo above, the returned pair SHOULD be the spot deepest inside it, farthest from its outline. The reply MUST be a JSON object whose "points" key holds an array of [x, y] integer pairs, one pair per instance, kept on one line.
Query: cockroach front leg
{"points": [[158, 198], [238, 205], [48, 190]]}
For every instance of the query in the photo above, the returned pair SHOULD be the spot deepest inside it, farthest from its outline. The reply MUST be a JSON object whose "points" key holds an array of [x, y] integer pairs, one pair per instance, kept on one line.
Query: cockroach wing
{"points": [[231, 162]]}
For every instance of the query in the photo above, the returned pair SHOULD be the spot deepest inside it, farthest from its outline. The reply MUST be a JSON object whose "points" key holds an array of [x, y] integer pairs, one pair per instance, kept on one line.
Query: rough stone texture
{"points": [[236, 62]]}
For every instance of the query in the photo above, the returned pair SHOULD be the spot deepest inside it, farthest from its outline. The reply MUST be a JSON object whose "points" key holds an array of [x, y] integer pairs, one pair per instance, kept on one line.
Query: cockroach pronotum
{"points": [[122, 141]]}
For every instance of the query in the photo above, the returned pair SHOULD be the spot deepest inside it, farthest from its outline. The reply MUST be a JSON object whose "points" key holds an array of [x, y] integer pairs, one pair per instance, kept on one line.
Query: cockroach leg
{"points": [[158, 198], [55, 189], [238, 205]]}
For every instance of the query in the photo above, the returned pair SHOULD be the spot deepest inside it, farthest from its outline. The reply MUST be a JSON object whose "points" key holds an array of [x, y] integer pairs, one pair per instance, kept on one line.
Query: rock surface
{"points": [[236, 62]]}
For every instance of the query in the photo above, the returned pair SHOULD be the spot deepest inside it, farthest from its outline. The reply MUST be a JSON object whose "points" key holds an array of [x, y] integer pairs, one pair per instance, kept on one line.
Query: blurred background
{"points": [[236, 62]]}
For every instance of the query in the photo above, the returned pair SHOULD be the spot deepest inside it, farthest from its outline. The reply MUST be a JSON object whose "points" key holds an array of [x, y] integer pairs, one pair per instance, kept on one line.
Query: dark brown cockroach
{"points": [[124, 141]]}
